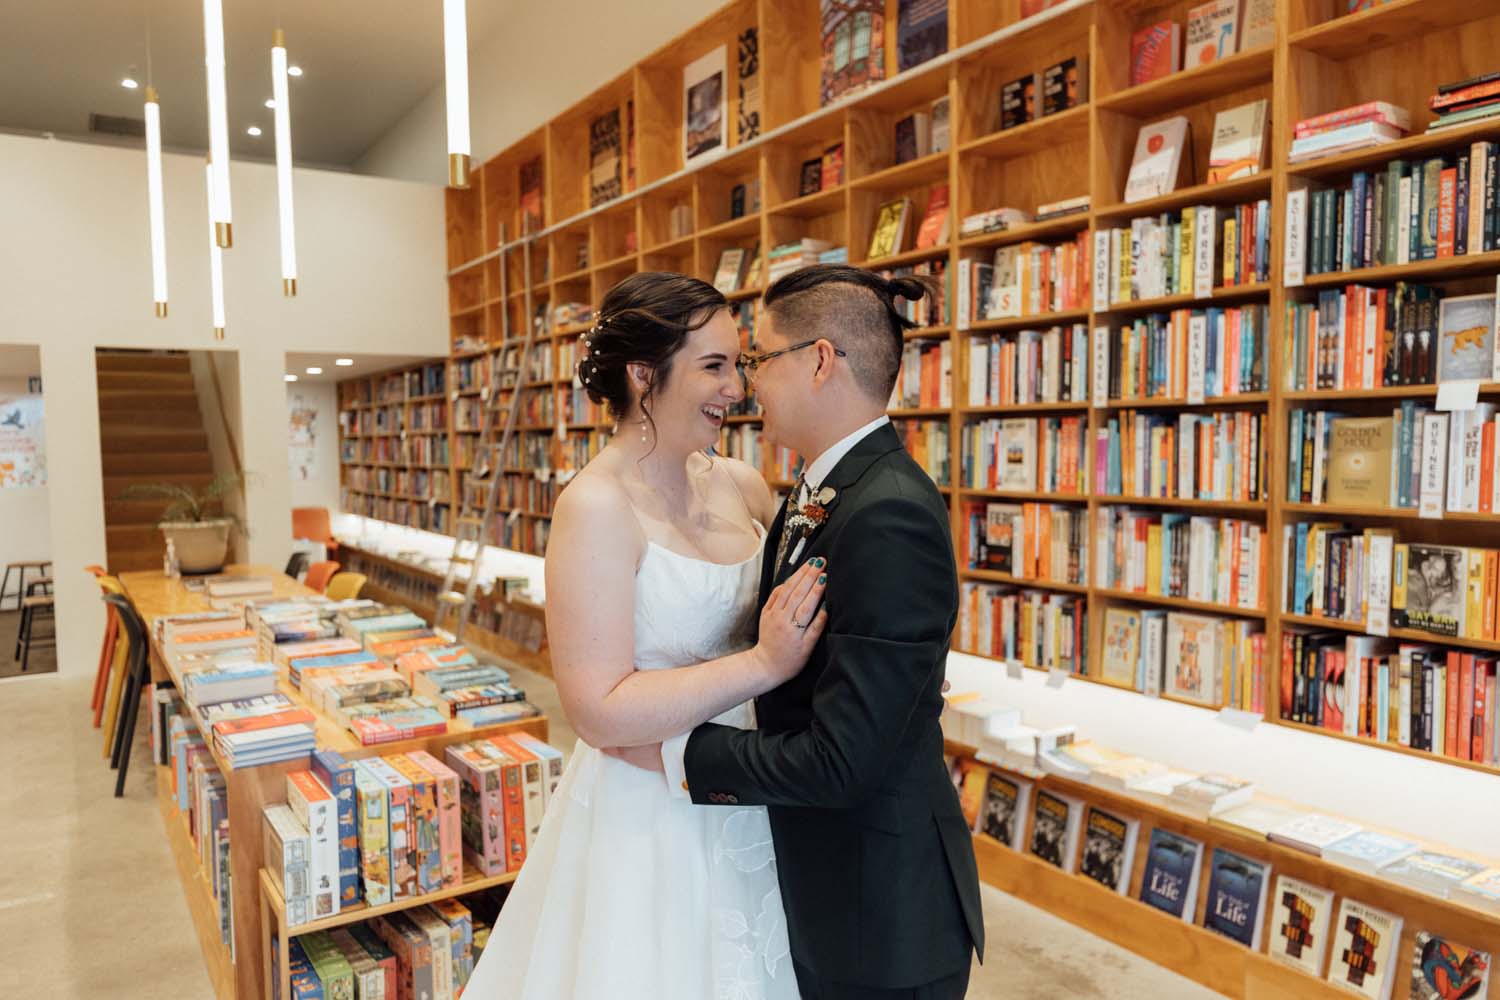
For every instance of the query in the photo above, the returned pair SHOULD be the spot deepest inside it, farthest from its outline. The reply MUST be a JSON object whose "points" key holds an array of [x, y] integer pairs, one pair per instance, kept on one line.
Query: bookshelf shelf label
{"points": [[1056, 676], [1293, 265], [1239, 718], [1457, 395], [1100, 365], [1015, 670], [1101, 270], [1197, 358]]}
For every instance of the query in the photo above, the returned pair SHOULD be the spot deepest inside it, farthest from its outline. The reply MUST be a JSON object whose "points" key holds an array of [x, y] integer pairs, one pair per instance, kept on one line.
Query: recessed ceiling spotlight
{"points": [[290, 377], [129, 83], [344, 362], [294, 71], [271, 103], [253, 130], [315, 371]]}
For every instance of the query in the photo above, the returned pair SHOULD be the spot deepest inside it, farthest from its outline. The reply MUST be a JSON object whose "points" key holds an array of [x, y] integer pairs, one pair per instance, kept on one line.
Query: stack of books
{"points": [[1466, 101], [1359, 126], [788, 257]]}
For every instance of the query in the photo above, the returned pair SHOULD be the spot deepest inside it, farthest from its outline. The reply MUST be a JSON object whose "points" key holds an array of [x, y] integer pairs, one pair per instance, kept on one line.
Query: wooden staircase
{"points": [[150, 431]]}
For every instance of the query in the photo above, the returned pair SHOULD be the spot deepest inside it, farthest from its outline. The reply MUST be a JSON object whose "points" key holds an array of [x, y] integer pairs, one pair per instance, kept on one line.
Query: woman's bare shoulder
{"points": [[752, 486]]}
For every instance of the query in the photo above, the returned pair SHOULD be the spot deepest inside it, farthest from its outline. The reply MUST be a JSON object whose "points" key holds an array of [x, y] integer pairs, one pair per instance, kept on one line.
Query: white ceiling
{"points": [[366, 63], [298, 362]]}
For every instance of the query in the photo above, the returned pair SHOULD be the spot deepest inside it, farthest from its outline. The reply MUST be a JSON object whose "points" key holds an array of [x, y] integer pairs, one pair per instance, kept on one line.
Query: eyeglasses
{"points": [[749, 364]]}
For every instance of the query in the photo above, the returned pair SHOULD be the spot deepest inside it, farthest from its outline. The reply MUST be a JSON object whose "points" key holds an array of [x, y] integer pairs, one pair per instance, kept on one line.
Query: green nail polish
{"points": [[822, 579]]}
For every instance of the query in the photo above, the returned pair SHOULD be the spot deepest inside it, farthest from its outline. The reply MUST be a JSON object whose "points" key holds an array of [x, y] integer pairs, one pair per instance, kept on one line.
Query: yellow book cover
{"points": [[886, 239], [1491, 581], [1359, 461], [1399, 558], [1122, 646], [1231, 250], [1474, 612], [1153, 559], [972, 779], [1189, 220]]}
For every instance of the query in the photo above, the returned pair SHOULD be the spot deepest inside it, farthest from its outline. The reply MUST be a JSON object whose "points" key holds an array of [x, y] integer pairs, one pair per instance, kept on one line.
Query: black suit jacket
{"points": [[875, 861]]}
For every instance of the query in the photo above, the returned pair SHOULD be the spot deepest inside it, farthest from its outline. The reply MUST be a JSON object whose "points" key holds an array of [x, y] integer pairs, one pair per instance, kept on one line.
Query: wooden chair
{"points": [[138, 677], [42, 566], [296, 565], [34, 606], [318, 575], [112, 652], [345, 586]]}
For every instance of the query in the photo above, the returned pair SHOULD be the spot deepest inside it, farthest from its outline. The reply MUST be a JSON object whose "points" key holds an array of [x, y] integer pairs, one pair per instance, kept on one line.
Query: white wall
{"points": [[75, 269], [24, 520], [529, 73], [323, 489]]}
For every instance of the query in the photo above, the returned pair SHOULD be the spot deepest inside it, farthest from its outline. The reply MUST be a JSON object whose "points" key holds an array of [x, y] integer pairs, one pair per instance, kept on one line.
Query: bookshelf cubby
{"points": [[1322, 59]]}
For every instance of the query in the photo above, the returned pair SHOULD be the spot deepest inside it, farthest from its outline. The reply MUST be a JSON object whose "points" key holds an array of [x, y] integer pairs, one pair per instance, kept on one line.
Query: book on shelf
{"points": [[1047, 211], [1155, 52], [889, 234], [1363, 338], [831, 167], [1312, 832], [1019, 100], [921, 32], [1443, 967], [1065, 85], [731, 270], [744, 198], [606, 180], [1210, 794], [1359, 461], [1202, 456], [853, 46], [1255, 818], [1465, 101], [1170, 880], [1158, 164], [785, 258], [1024, 279], [1211, 560], [913, 137], [1466, 339], [1344, 139], [1055, 826], [1189, 354], [1258, 26], [1026, 454], [942, 135], [747, 78], [927, 443], [1029, 366], [1300, 916], [925, 377], [970, 778], [810, 177], [1236, 901], [1033, 541], [286, 847], [1212, 32], [1432, 872], [1368, 850], [336, 774], [934, 228], [1364, 949], [1109, 848], [1006, 802], [993, 220], [316, 810], [1239, 146], [1037, 628]]}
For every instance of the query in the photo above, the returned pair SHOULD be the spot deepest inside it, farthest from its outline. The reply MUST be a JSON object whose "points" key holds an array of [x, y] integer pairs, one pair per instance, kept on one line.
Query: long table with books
{"points": [[279, 677]]}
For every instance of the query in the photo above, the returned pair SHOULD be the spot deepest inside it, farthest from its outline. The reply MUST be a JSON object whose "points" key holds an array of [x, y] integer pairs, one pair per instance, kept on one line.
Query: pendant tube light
{"points": [[282, 100], [215, 258], [456, 57], [218, 120], [154, 202]]}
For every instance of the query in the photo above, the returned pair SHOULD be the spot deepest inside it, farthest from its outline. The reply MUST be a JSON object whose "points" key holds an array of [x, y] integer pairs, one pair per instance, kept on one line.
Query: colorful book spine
{"points": [[372, 814], [450, 833], [401, 810], [482, 808], [429, 847], [337, 775]]}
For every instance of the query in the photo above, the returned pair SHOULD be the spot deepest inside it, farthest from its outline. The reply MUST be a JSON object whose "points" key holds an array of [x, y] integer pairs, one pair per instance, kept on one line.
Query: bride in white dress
{"points": [[653, 567]]}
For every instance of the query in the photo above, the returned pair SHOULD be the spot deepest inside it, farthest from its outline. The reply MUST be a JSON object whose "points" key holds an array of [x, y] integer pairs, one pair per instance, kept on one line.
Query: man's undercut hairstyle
{"points": [[853, 309]]}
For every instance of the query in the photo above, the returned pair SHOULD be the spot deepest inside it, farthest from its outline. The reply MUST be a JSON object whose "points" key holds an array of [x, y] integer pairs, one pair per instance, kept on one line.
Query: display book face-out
{"points": [[1109, 848], [1300, 914], [1364, 945], [1054, 829], [1004, 814], [1158, 160], [1237, 897], [1442, 969], [1170, 882]]}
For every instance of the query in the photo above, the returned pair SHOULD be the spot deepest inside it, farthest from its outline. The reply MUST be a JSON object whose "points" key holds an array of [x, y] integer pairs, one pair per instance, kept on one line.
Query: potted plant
{"points": [[195, 521]]}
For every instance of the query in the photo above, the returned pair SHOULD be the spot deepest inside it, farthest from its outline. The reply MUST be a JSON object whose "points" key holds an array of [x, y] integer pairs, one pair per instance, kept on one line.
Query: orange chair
{"points": [[314, 523], [318, 575]]}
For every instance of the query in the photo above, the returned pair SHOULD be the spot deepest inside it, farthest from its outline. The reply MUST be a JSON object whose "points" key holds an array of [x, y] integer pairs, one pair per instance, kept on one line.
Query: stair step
{"points": [[131, 560], [111, 400], [136, 361], [149, 419], [120, 537], [180, 381], [142, 463], [118, 440], [128, 512], [115, 485]]}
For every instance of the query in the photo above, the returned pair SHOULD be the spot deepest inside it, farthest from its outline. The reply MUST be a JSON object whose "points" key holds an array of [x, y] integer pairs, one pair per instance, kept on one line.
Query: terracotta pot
{"points": [[202, 546]]}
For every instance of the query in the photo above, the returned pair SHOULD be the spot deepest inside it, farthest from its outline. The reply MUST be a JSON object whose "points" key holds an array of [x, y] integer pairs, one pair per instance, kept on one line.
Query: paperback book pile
{"points": [[788, 257], [1347, 129], [1465, 101]]}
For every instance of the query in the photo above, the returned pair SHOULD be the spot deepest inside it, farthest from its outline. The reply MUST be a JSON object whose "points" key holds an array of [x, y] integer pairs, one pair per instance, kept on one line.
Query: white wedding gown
{"points": [[630, 893]]}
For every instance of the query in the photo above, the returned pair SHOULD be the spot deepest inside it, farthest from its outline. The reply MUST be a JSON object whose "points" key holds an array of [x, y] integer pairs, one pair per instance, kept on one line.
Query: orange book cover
{"points": [[1465, 742], [1242, 487], [1450, 710], [250, 723], [972, 778], [193, 638], [1044, 542], [934, 229], [1491, 583], [1486, 467], [1447, 198], [513, 792]]}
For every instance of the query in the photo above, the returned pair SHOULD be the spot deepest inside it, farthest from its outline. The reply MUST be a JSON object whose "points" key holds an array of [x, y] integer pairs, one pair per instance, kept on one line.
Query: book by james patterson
{"points": [[1170, 882], [1237, 897], [1299, 924]]}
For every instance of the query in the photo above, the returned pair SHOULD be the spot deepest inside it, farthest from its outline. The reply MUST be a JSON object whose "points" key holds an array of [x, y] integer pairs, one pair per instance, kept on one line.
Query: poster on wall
{"points": [[302, 436], [23, 448]]}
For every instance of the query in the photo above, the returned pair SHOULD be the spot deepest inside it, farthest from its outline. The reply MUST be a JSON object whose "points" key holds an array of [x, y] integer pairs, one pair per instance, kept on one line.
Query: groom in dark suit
{"points": [[876, 863]]}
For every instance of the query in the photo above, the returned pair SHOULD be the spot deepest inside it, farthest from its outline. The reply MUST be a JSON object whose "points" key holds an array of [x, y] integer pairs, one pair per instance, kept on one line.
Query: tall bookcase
{"points": [[1322, 59]]}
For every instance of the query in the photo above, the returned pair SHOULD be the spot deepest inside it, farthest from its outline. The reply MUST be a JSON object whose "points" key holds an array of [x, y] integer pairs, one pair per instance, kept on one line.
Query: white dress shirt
{"points": [[674, 750]]}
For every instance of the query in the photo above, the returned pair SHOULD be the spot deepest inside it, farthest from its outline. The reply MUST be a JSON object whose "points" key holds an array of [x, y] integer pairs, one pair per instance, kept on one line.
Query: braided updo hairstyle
{"points": [[643, 320]]}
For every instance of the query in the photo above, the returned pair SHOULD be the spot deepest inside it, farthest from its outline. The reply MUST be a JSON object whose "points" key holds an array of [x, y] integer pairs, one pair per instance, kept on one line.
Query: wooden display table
{"points": [[245, 971]]}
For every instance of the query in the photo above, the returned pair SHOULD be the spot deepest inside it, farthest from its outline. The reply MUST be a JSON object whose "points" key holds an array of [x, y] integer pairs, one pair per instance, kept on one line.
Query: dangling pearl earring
{"points": [[643, 428]]}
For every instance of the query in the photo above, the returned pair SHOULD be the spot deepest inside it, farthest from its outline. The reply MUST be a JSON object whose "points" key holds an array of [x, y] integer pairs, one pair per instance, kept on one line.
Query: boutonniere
{"points": [[814, 512]]}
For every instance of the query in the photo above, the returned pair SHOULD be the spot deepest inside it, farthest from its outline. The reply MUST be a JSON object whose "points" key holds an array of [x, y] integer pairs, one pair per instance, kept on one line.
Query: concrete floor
{"points": [[43, 659], [90, 905]]}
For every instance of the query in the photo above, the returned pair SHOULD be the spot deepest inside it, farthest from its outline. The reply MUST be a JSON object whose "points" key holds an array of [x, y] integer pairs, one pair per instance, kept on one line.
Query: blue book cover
{"points": [[1294, 456], [337, 775], [1170, 882], [1237, 897], [1299, 569]]}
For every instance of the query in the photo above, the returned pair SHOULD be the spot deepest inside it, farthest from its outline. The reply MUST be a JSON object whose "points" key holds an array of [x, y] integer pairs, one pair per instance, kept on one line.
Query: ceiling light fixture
{"points": [[294, 71], [215, 258], [253, 130], [289, 377], [129, 83], [154, 203], [344, 362], [315, 371], [218, 121], [456, 58], [283, 123], [271, 103]]}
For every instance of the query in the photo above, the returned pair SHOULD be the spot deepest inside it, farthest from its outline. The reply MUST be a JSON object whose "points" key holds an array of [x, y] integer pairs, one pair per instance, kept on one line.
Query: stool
{"points": [[40, 565], [31, 608], [41, 583]]}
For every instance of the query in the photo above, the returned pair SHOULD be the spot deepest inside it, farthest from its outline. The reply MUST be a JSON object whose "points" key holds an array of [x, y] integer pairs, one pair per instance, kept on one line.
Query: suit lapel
{"points": [[768, 557]]}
